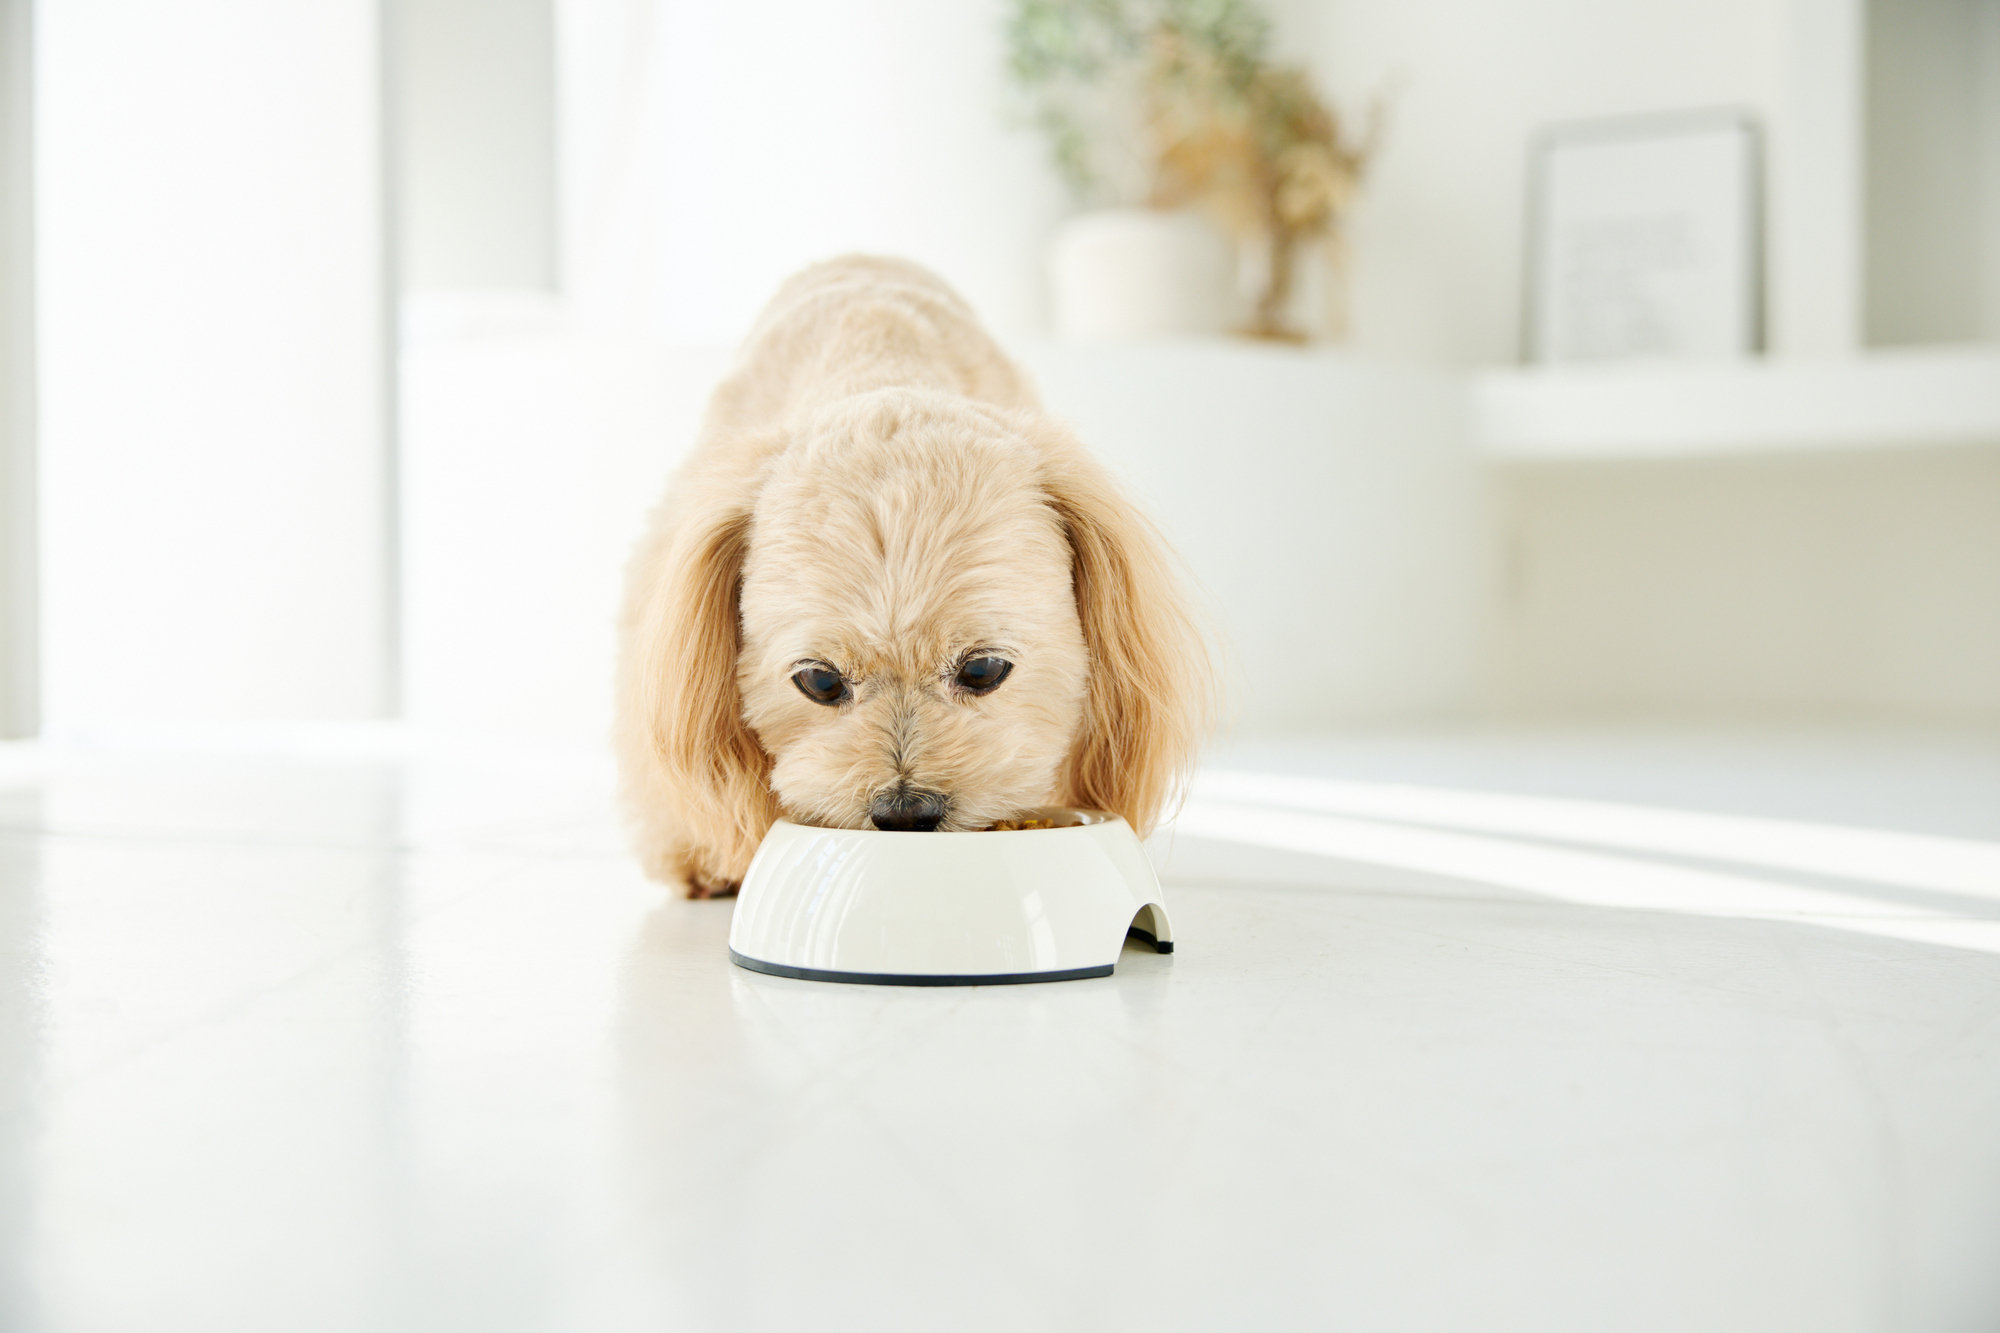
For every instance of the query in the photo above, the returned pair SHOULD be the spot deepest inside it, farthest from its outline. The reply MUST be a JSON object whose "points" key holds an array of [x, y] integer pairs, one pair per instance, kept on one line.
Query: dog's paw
{"points": [[701, 886]]}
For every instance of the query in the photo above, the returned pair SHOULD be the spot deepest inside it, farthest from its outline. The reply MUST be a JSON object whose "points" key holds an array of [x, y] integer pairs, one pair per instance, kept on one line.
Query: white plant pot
{"points": [[1122, 273]]}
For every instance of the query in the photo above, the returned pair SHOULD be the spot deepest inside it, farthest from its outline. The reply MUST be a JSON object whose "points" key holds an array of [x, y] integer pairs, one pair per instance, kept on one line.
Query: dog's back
{"points": [[854, 324]]}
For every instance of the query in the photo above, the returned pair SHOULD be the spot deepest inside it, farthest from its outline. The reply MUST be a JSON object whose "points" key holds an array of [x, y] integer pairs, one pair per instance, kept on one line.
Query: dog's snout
{"points": [[906, 811]]}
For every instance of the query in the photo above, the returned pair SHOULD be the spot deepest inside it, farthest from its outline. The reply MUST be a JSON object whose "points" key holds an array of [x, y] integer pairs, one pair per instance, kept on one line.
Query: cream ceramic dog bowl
{"points": [[948, 909]]}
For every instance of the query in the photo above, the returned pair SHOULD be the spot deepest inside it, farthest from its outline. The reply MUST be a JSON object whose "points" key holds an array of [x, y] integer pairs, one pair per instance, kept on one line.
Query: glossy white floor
{"points": [[351, 1043]]}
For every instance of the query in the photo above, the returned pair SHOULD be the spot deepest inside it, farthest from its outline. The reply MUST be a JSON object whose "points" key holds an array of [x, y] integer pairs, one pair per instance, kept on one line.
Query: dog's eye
{"points": [[820, 685], [983, 674]]}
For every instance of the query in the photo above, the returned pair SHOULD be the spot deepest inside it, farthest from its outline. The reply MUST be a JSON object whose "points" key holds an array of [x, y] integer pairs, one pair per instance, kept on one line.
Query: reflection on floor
{"points": [[1538, 1032]]}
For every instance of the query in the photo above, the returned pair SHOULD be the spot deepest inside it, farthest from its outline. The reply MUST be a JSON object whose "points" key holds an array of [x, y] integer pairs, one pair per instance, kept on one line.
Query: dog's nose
{"points": [[907, 811]]}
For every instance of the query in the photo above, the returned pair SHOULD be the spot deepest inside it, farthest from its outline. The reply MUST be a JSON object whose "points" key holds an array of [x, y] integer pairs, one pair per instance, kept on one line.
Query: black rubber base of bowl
{"points": [[907, 979]]}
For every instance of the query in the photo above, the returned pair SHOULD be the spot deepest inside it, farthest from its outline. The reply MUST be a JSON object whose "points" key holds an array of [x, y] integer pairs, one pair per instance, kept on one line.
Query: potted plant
{"points": [[1173, 105]]}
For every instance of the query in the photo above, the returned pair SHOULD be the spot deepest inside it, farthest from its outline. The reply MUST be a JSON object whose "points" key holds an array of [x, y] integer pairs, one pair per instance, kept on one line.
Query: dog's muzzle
{"points": [[907, 811]]}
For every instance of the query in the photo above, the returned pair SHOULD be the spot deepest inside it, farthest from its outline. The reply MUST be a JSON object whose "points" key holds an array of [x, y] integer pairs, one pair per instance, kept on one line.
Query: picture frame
{"points": [[1645, 240]]}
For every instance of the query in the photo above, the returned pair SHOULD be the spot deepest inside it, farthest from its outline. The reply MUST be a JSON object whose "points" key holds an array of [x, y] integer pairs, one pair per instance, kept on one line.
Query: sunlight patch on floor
{"points": [[1596, 878]]}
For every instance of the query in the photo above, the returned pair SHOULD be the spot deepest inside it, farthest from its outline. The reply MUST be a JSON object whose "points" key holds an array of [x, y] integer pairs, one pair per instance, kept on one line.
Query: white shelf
{"points": [[1883, 399]]}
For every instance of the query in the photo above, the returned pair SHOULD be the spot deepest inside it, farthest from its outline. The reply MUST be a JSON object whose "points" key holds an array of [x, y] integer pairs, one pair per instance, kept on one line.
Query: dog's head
{"points": [[933, 616]]}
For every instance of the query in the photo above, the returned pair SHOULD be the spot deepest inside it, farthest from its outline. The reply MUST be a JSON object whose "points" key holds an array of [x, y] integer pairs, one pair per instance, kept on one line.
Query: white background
{"points": [[218, 511]]}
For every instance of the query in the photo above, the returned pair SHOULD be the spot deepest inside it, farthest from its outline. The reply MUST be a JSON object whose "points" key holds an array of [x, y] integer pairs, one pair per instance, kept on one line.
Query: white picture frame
{"points": [[1645, 240]]}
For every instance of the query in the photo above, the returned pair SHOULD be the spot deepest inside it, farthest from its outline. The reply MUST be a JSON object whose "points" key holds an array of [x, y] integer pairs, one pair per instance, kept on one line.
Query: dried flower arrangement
{"points": [[1175, 102]]}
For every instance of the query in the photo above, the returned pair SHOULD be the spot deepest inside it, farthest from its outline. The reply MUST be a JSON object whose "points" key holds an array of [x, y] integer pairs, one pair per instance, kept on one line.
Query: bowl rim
{"points": [[1086, 820]]}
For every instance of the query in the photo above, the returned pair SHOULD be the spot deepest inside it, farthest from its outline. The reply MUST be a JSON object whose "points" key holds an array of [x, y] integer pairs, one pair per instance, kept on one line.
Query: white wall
{"points": [[703, 154], [212, 359], [1933, 171], [529, 465], [1843, 585], [706, 152], [1331, 511], [19, 650], [710, 150], [1439, 234], [1853, 585], [474, 106]]}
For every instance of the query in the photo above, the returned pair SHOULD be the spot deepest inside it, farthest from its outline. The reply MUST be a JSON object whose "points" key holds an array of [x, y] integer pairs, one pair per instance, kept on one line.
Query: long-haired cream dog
{"points": [[887, 588]]}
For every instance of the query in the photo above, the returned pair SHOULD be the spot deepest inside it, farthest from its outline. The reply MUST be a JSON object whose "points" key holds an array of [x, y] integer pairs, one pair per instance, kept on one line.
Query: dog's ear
{"points": [[685, 636], [1152, 695]]}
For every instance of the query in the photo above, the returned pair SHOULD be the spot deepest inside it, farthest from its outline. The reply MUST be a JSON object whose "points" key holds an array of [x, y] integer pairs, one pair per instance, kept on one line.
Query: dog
{"points": [[887, 589]]}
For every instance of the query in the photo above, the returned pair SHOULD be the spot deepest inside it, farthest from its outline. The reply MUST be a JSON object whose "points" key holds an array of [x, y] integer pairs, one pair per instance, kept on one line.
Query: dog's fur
{"points": [[875, 487]]}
